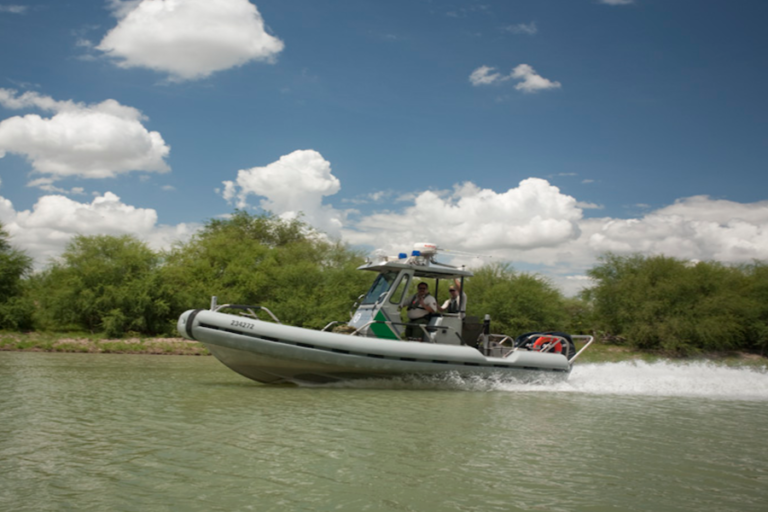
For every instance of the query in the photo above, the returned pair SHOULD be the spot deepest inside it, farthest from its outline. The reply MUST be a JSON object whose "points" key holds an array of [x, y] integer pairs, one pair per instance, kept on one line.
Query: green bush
{"points": [[105, 284], [264, 260], [517, 302], [16, 308], [663, 303]]}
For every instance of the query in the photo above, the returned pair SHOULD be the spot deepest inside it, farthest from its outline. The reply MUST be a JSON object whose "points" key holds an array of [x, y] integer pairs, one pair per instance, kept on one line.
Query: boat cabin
{"points": [[378, 313]]}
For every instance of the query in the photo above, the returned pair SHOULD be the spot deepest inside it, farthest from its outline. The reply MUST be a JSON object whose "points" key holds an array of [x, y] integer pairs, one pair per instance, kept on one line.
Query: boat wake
{"points": [[667, 378], [660, 379]]}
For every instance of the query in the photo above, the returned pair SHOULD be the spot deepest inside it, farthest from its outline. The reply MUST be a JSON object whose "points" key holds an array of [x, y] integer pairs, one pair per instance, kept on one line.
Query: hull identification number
{"points": [[243, 325]]}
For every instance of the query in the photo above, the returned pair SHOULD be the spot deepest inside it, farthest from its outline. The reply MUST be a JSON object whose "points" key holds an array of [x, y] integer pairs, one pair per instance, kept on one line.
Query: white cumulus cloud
{"points": [[294, 184], [189, 39], [534, 214], [486, 75], [533, 225], [528, 80], [694, 228], [44, 231], [88, 141]]}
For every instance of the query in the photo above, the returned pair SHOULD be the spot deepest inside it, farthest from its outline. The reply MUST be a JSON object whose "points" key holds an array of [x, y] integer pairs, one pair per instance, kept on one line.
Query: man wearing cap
{"points": [[452, 305]]}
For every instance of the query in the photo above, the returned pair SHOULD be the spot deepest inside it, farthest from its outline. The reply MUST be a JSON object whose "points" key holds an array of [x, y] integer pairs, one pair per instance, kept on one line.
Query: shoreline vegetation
{"points": [[81, 343], [117, 295], [95, 344]]}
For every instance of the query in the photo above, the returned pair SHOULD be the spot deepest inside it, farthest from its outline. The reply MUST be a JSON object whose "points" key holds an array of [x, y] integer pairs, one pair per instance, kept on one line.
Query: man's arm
{"points": [[429, 303]]}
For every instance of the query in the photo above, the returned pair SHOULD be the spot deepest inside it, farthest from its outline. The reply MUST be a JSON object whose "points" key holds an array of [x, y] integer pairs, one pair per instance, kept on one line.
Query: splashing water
{"points": [[663, 378]]}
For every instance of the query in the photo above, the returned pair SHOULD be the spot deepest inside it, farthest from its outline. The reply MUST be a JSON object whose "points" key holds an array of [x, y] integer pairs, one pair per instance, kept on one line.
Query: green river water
{"points": [[173, 433]]}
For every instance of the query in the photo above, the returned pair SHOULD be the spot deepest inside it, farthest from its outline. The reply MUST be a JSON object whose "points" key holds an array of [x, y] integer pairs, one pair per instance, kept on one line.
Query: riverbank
{"points": [[68, 342], [59, 342]]}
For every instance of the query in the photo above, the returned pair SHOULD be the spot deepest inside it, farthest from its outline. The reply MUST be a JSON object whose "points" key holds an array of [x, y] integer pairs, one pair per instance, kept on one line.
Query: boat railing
{"points": [[496, 347], [354, 306], [250, 311], [589, 339], [329, 325], [428, 330]]}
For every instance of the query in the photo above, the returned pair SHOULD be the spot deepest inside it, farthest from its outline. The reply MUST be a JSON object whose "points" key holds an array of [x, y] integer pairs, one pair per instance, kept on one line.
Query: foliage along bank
{"points": [[672, 305], [118, 286]]}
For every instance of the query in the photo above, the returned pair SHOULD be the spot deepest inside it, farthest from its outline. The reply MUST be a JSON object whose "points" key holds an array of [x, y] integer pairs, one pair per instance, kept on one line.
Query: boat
{"points": [[374, 344]]}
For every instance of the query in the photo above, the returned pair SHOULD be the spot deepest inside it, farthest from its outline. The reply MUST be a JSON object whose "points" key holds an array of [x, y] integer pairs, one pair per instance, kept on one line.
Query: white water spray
{"points": [[629, 378], [663, 378]]}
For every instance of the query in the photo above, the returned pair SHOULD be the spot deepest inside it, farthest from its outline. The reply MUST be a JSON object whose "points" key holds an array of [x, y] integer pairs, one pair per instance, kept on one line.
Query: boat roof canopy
{"points": [[428, 271]]}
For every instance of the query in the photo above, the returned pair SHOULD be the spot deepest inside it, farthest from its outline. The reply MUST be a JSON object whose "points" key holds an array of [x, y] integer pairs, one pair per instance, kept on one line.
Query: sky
{"points": [[539, 133]]}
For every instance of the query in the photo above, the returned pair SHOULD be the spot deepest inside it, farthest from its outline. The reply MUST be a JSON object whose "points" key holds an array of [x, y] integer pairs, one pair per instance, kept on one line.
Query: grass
{"points": [[89, 343]]}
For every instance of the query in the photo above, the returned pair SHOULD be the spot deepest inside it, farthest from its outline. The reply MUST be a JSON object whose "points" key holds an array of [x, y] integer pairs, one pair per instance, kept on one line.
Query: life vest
{"points": [[544, 341], [415, 303]]}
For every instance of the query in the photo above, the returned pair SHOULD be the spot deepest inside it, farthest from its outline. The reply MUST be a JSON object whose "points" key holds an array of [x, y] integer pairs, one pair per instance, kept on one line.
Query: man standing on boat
{"points": [[453, 305], [420, 307]]}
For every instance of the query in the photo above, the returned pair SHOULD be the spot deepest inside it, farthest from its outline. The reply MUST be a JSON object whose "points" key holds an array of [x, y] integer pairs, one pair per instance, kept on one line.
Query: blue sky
{"points": [[539, 132]]}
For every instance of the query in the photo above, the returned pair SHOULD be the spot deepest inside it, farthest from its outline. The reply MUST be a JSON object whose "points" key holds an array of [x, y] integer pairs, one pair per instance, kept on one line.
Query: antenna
{"points": [[464, 253]]}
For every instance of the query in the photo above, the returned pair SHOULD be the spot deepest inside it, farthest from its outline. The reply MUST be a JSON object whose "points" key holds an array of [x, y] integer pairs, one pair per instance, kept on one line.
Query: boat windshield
{"points": [[381, 285]]}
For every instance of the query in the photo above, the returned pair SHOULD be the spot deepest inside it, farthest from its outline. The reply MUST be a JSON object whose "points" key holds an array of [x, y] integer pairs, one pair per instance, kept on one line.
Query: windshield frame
{"points": [[381, 286]]}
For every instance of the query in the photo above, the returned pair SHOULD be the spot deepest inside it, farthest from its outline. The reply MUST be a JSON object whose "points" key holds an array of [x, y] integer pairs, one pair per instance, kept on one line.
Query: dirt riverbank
{"points": [[37, 342]]}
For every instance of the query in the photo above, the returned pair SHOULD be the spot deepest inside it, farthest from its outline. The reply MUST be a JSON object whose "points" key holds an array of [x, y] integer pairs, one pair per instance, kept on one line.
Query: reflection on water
{"points": [[101, 432]]}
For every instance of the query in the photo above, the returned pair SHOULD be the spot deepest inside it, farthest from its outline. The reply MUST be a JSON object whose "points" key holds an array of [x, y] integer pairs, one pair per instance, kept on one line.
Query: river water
{"points": [[155, 433]]}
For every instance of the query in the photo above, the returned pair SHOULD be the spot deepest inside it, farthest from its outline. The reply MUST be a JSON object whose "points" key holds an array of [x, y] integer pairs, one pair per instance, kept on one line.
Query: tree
{"points": [[264, 260], [16, 308], [757, 291], [106, 283], [517, 302], [663, 303]]}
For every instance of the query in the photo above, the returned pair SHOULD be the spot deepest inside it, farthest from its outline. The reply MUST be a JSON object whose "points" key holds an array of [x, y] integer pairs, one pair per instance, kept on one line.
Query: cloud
{"points": [[534, 214], [294, 184], [617, 2], [694, 228], [121, 8], [44, 231], [529, 80], [14, 9], [374, 197], [484, 76], [523, 28], [697, 228], [47, 184], [533, 224], [189, 39], [88, 141]]}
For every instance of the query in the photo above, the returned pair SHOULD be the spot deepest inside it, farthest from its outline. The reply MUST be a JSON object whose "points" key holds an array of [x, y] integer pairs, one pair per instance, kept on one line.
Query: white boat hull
{"points": [[275, 353]]}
